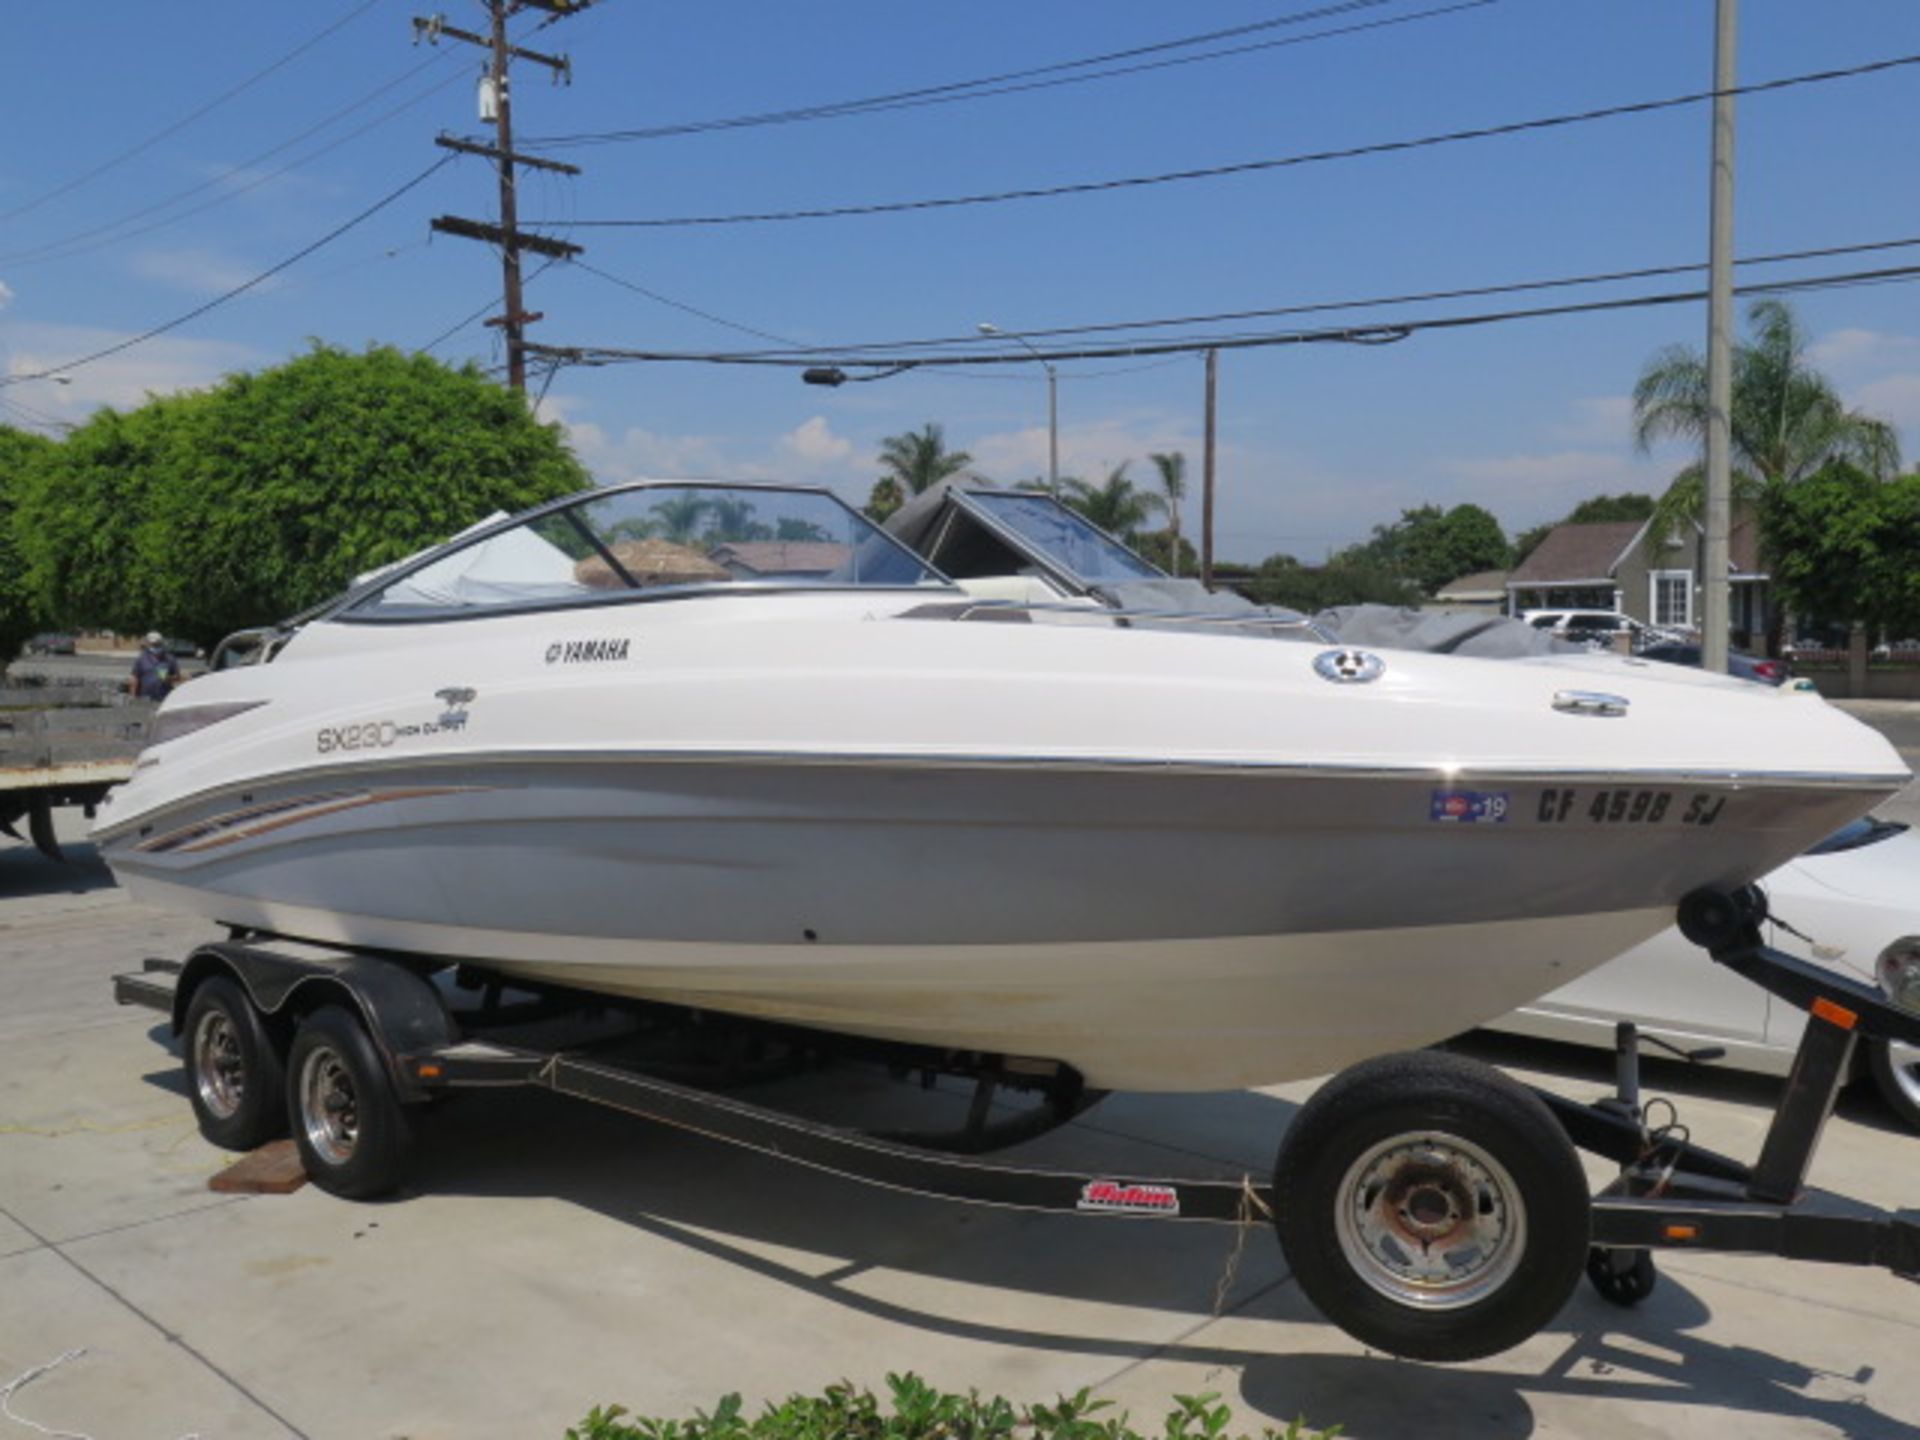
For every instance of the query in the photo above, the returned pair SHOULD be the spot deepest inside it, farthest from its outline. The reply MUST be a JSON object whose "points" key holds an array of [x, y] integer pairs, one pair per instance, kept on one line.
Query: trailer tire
{"points": [[1622, 1277], [1896, 1072], [347, 1121], [1431, 1207], [234, 1076]]}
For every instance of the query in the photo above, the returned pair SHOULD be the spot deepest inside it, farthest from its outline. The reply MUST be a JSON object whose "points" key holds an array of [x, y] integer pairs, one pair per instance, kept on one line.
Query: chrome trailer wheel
{"points": [[1431, 1207], [347, 1121], [1896, 1071], [234, 1074], [329, 1106], [1430, 1220]]}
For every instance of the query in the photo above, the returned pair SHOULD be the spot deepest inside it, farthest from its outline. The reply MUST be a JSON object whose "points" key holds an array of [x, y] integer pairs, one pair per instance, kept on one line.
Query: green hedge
{"points": [[920, 1412]]}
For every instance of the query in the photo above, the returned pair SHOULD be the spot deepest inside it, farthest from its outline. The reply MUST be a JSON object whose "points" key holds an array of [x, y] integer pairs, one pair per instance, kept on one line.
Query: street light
{"points": [[987, 327]]}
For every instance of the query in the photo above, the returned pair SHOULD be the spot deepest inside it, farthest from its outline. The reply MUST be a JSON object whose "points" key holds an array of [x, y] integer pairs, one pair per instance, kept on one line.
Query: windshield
{"points": [[654, 538], [1064, 538]]}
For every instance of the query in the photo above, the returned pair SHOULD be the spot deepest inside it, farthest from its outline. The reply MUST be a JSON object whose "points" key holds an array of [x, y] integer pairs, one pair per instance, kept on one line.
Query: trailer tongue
{"points": [[1427, 1204]]}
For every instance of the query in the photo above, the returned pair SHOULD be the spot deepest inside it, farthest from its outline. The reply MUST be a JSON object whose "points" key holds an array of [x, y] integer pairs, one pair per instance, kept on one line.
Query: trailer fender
{"points": [[400, 1008]]}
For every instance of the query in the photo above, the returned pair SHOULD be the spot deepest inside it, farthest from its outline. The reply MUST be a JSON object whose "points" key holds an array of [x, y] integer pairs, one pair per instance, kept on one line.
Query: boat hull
{"points": [[1157, 927]]}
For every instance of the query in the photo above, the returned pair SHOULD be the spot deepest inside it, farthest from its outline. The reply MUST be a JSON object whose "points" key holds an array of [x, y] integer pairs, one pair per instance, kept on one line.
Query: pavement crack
{"points": [[170, 1336], [1175, 1343]]}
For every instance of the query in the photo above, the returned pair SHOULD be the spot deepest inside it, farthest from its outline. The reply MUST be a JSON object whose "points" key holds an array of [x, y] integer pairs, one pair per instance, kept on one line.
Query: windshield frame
{"points": [[344, 609]]}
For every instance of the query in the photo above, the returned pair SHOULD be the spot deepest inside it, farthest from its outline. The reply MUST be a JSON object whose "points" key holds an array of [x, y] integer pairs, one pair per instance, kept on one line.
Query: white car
{"points": [[1853, 895], [1596, 628]]}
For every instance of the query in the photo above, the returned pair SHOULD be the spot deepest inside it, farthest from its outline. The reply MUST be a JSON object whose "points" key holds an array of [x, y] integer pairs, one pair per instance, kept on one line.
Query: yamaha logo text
{"points": [[585, 652]]}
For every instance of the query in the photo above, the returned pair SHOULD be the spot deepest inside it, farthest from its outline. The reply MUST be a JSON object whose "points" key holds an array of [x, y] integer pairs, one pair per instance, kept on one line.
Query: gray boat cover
{"points": [[912, 524], [1388, 627], [1385, 627], [1187, 597]]}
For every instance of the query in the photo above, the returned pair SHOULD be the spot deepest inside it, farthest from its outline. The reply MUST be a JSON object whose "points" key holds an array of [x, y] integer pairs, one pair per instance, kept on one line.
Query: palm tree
{"points": [[1787, 420], [884, 499], [680, 516], [1116, 506], [731, 518], [919, 459], [1173, 486]]}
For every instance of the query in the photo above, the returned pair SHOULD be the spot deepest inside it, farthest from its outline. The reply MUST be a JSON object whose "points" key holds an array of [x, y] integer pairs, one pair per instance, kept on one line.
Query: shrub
{"points": [[920, 1412]]}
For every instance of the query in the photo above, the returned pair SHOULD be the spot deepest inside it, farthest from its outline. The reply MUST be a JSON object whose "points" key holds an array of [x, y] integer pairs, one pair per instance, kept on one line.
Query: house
{"points": [[1623, 565], [779, 559], [1482, 593]]}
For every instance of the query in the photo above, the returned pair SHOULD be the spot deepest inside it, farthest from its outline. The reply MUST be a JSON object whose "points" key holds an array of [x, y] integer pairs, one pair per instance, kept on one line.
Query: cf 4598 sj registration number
{"points": [[1629, 807]]}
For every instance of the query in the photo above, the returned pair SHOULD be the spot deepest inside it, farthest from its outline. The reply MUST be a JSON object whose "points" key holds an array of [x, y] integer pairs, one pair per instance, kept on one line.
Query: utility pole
{"points": [[1206, 480], [1715, 597], [1053, 430], [496, 95]]}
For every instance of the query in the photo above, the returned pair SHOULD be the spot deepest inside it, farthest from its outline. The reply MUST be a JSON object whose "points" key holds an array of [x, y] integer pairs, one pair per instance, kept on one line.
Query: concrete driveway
{"points": [[551, 1257]]}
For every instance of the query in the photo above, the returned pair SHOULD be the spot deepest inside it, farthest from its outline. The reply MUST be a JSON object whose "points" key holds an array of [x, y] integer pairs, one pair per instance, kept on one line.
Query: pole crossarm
{"points": [[500, 235], [471, 147], [431, 27]]}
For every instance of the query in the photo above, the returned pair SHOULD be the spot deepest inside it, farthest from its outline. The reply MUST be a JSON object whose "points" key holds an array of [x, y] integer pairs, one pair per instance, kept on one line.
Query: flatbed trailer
{"points": [[54, 755], [1427, 1204]]}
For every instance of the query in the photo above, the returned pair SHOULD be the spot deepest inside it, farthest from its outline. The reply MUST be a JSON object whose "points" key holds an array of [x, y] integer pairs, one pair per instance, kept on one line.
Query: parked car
{"points": [[1854, 896], [182, 649], [1747, 667], [1597, 628], [50, 642]]}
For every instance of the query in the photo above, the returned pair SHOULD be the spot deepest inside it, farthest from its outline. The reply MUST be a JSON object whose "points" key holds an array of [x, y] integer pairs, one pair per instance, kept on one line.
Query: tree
{"points": [[1173, 486], [1846, 543], [678, 517], [1354, 576], [1627, 505], [731, 518], [1787, 421], [19, 450], [916, 460], [1116, 507], [202, 513], [1430, 546], [884, 499], [1157, 548]]}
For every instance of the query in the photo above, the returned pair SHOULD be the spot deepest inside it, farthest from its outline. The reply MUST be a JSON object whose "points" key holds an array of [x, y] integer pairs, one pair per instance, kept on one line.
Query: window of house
{"points": [[1672, 597]]}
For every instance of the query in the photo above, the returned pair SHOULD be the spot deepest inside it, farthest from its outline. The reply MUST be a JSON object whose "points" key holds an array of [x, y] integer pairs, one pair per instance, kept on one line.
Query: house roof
{"points": [[1574, 553], [781, 557], [1743, 544], [1483, 584]]}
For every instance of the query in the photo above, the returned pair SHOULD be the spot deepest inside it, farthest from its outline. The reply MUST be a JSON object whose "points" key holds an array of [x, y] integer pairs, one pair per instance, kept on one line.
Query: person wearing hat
{"points": [[155, 671]]}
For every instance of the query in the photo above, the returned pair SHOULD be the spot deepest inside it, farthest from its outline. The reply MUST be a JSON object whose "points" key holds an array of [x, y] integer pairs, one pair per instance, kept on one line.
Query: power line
{"points": [[1212, 172], [240, 289], [681, 305], [84, 242], [1016, 81], [191, 116], [725, 323], [1381, 333], [1564, 282]]}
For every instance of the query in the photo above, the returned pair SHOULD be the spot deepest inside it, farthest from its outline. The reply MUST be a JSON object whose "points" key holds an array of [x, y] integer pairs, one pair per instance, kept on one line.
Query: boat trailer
{"points": [[1427, 1204]]}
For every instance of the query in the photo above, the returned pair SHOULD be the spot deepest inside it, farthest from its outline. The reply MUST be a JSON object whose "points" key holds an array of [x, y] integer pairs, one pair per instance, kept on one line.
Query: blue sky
{"points": [[1317, 444]]}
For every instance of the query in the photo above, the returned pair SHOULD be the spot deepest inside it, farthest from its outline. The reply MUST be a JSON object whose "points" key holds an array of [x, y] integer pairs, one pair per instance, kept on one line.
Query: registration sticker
{"points": [[1469, 807]]}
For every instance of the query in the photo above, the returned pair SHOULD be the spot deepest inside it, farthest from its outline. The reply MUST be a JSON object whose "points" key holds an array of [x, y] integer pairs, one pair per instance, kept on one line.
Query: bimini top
{"points": [[648, 538]]}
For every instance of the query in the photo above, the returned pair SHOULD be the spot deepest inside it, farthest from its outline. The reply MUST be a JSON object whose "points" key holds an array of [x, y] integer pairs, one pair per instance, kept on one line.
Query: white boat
{"points": [[731, 747]]}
